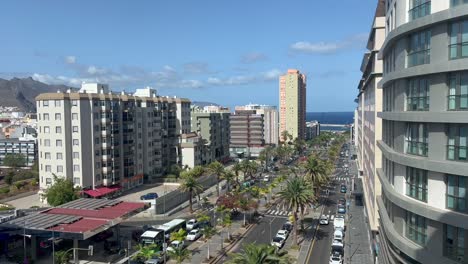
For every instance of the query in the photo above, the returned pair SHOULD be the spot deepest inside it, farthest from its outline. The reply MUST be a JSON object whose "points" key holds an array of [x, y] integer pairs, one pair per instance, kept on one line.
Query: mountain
{"points": [[21, 92], [203, 104]]}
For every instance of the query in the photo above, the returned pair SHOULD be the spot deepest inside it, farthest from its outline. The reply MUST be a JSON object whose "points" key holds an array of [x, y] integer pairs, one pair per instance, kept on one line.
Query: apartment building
{"points": [[423, 202], [212, 124], [270, 121], [25, 147], [370, 126], [312, 130], [292, 95], [193, 150], [247, 139], [98, 138]]}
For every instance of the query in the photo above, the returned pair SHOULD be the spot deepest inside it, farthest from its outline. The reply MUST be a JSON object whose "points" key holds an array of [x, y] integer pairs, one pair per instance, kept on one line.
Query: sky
{"points": [[226, 52]]}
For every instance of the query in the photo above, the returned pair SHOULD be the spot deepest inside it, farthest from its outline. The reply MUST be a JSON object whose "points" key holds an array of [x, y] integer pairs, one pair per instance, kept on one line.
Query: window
{"points": [[416, 139], [454, 243], [76, 155], [419, 8], [416, 228], [419, 48], [75, 129], [417, 95], [47, 155], [76, 168], [76, 180], [59, 168], [46, 116], [457, 142], [96, 141], [58, 130], [456, 193], [76, 142], [47, 142], [58, 143], [45, 103], [48, 168], [74, 116], [458, 2], [59, 155], [416, 183], [58, 116], [458, 40], [74, 102], [48, 181], [58, 103], [458, 91]]}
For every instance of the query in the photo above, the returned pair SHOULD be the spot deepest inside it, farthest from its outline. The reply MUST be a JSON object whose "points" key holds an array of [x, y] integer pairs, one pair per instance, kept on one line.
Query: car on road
{"points": [[338, 235], [342, 201], [266, 178], [191, 224], [341, 209], [324, 220], [336, 244], [278, 242], [193, 235], [176, 244], [155, 260], [339, 222], [343, 189], [336, 258], [283, 233], [149, 196], [288, 226]]}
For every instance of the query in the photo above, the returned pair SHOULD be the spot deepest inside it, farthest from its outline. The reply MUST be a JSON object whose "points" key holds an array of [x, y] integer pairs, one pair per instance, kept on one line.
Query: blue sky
{"points": [[227, 52]]}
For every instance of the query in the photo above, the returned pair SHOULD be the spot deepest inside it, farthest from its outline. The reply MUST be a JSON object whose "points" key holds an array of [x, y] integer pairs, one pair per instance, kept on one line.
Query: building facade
{"points": [[98, 138], [370, 126], [423, 205], [213, 125], [312, 130], [247, 139], [270, 121], [26, 148], [193, 150], [292, 96]]}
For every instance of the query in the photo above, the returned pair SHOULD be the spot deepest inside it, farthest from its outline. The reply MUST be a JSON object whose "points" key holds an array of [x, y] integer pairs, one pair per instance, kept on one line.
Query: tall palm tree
{"points": [[229, 176], [179, 254], [297, 195], [259, 254], [316, 170], [237, 168], [190, 185], [146, 252], [198, 171], [217, 169], [208, 232], [62, 256]]}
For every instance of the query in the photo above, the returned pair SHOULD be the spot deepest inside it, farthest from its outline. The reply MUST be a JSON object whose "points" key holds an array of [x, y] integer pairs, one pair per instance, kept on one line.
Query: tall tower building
{"points": [[292, 89]]}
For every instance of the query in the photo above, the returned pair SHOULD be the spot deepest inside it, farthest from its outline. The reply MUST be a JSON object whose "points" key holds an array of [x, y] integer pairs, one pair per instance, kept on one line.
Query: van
{"points": [[338, 235]]}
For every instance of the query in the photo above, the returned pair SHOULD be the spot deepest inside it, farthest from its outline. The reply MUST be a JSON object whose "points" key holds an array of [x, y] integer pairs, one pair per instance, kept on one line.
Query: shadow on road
{"points": [[320, 234]]}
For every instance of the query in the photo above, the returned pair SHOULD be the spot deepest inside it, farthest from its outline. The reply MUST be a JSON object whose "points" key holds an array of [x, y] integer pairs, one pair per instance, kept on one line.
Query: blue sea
{"points": [[338, 118]]}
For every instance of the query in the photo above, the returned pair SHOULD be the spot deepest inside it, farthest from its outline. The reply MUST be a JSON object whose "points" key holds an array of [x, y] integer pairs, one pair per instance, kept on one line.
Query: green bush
{"points": [[19, 185], [4, 190]]}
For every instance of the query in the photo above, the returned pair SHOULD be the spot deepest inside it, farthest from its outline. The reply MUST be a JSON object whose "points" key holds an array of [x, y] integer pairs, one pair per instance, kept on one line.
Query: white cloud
{"points": [[93, 70], [70, 59], [196, 67], [271, 75], [253, 57], [322, 47]]}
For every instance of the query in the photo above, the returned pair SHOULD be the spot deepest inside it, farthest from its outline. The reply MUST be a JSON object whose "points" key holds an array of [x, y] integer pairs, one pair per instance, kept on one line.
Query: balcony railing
{"points": [[420, 10], [419, 57], [458, 102], [417, 148], [417, 103], [456, 152]]}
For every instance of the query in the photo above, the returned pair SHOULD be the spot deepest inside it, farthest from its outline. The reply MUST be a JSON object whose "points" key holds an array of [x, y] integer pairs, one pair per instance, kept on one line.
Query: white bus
{"points": [[172, 226], [156, 234], [152, 237]]}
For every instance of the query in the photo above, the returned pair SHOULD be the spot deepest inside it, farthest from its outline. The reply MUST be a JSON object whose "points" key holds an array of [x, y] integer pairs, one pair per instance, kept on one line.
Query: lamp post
{"points": [[24, 241]]}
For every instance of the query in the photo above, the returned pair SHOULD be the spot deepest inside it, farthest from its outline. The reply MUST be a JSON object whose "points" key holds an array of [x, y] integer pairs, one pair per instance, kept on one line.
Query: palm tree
{"points": [[297, 195], [229, 177], [208, 232], [179, 235], [316, 170], [198, 171], [245, 205], [62, 257], [217, 169], [237, 168], [146, 252], [190, 185], [179, 254], [259, 254]]}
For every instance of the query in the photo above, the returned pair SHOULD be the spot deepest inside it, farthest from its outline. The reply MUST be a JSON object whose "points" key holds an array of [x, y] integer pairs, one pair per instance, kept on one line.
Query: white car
{"points": [[266, 178], [283, 233], [338, 235], [278, 242], [324, 220], [193, 235], [336, 258], [339, 222], [175, 244], [191, 224], [337, 244]]}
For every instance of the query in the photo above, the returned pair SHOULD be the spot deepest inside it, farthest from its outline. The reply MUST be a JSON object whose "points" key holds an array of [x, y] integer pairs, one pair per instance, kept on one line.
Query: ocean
{"points": [[336, 118]]}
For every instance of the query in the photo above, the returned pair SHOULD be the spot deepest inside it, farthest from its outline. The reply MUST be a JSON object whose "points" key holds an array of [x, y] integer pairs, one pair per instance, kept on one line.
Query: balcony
{"points": [[417, 148], [457, 153]]}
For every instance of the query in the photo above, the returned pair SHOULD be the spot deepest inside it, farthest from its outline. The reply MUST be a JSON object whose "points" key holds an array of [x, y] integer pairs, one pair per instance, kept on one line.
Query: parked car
{"points": [[266, 178], [191, 224], [338, 235], [278, 242], [342, 201], [339, 222], [324, 220], [149, 196], [283, 233], [336, 258], [288, 226], [111, 246], [155, 260], [343, 189], [337, 244], [103, 235], [175, 244], [341, 209], [193, 235]]}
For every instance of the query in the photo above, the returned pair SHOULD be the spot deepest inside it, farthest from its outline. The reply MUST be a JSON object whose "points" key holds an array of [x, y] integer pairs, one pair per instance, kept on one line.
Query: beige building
{"points": [[270, 121], [98, 138], [247, 138], [369, 126], [292, 112], [193, 150]]}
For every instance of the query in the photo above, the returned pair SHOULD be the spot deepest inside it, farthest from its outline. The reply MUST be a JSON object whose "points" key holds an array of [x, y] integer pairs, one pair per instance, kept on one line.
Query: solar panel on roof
{"points": [[44, 221]]}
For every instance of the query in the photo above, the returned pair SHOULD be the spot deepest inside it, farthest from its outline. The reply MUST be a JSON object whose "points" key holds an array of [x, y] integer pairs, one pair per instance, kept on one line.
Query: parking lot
{"points": [[138, 192]]}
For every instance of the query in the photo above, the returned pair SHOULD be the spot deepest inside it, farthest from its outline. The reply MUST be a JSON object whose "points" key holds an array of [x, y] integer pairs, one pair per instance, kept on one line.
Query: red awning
{"points": [[101, 191]]}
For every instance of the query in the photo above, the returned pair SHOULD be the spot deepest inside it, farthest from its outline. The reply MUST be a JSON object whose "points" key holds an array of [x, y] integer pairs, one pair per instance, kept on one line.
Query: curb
{"points": [[230, 246]]}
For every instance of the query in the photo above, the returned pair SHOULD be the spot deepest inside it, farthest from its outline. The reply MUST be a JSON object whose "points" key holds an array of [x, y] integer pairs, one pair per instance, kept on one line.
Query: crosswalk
{"points": [[278, 212], [340, 178]]}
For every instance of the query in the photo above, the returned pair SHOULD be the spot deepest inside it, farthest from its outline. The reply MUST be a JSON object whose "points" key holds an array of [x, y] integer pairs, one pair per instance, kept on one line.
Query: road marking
{"points": [[332, 217]]}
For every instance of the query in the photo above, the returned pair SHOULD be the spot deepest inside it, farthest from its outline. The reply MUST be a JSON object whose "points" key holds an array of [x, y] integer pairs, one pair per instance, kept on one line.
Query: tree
{"points": [[175, 170], [229, 177], [259, 253], [62, 257], [179, 235], [316, 170], [217, 169], [62, 191], [179, 254], [208, 232], [198, 171], [202, 218], [191, 185], [237, 168], [14, 160], [9, 178], [297, 195], [146, 252], [246, 205], [249, 168]]}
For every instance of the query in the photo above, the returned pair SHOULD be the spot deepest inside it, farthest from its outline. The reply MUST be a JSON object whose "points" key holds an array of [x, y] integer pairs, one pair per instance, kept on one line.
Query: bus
{"points": [[156, 234]]}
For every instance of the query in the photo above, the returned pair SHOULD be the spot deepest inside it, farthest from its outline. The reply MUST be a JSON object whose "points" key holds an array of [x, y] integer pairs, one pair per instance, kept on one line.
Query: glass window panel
{"points": [[461, 187], [454, 33], [450, 202], [451, 185], [464, 35], [453, 51]]}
